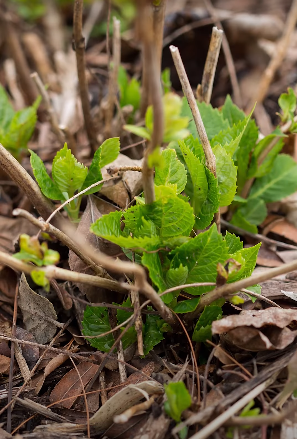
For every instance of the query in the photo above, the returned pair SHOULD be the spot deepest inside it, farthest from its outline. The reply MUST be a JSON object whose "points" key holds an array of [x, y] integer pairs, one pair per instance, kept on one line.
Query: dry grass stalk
{"points": [[204, 90]]}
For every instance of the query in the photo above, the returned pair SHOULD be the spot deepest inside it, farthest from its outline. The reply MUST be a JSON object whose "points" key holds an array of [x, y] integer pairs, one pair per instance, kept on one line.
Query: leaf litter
{"points": [[253, 344]]}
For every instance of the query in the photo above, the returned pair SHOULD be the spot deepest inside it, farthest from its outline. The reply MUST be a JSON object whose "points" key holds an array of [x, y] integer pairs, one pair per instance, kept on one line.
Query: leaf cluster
{"points": [[16, 128], [70, 176]]}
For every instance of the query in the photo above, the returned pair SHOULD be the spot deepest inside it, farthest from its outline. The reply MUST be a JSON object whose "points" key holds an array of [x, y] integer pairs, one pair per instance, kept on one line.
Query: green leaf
{"points": [[246, 145], [152, 332], [231, 137], [231, 112], [96, 322], [174, 277], [165, 76], [279, 183], [40, 279], [287, 102], [152, 262], [20, 130], [172, 173], [210, 205], [254, 211], [139, 131], [202, 331], [239, 220], [255, 289], [186, 306], [198, 177], [175, 124], [68, 173], [28, 257], [226, 174], [201, 255], [47, 186], [213, 120], [249, 258], [105, 154], [109, 227], [178, 400], [6, 110], [233, 242]]}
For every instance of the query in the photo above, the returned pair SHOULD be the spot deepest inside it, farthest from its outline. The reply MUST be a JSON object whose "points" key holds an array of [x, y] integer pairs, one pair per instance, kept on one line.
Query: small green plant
{"points": [[175, 124], [129, 90], [246, 412], [39, 254], [69, 176], [178, 400], [16, 128]]}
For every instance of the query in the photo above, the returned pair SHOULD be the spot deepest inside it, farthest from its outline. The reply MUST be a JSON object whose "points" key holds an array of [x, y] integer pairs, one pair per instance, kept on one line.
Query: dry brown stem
{"points": [[138, 320], [158, 20], [113, 76], [228, 55], [204, 90], [17, 53], [277, 58], [49, 108], [150, 66], [18, 174], [79, 43]]}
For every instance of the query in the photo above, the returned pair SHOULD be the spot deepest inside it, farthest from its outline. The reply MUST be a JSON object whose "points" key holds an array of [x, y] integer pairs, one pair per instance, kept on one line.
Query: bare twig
{"points": [[260, 297], [11, 79], [204, 90], [95, 12], [158, 19], [10, 34], [220, 420], [18, 174], [53, 272], [85, 397], [79, 43], [113, 76], [150, 64], [228, 55], [231, 288], [66, 240], [51, 112], [138, 320], [277, 58], [188, 92]]}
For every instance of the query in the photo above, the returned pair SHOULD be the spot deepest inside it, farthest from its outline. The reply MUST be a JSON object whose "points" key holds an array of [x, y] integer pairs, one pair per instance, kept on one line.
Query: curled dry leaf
{"points": [[243, 329], [37, 312], [128, 187], [30, 353], [70, 384], [123, 400], [4, 364], [49, 368], [90, 215]]}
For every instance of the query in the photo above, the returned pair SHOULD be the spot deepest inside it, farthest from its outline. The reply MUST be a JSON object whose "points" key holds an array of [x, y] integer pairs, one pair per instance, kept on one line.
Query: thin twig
{"points": [[277, 57], [158, 20], [79, 44], [188, 92], [113, 76], [49, 108], [150, 64], [260, 297], [53, 272], [25, 182], [231, 288], [138, 408], [66, 240], [204, 90], [10, 378], [213, 426], [228, 55], [138, 320], [85, 397]]}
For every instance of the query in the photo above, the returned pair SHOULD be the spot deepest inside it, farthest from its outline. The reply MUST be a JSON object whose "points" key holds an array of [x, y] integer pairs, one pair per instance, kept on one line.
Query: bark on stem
{"points": [[145, 23], [188, 92], [79, 44], [21, 177], [234, 287], [204, 90]]}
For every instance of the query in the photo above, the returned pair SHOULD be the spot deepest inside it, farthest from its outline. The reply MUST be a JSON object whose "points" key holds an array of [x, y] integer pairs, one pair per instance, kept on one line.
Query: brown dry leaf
{"points": [[122, 401], [268, 258], [242, 330], [136, 377], [128, 187], [291, 383], [10, 230], [50, 367], [36, 311], [285, 229], [4, 364], [8, 282], [70, 384], [132, 427], [30, 353], [90, 215]]}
